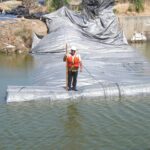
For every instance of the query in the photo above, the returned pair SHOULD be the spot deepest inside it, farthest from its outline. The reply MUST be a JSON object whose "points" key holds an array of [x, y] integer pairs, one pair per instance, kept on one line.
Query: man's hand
{"points": [[65, 57]]}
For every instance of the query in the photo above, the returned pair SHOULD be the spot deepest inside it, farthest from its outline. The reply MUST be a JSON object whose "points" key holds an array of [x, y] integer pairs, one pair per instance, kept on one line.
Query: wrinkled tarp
{"points": [[111, 67], [82, 30]]}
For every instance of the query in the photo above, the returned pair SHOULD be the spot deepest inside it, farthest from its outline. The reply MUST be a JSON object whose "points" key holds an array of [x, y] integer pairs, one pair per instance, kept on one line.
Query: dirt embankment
{"points": [[8, 5], [16, 34]]}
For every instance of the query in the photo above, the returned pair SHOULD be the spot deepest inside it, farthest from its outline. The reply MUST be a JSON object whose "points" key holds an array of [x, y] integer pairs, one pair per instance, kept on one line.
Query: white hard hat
{"points": [[73, 48]]}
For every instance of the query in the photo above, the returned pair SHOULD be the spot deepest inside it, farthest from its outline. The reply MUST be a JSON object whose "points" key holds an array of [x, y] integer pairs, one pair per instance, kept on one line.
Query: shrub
{"points": [[131, 8], [115, 11], [139, 5], [59, 3], [55, 4]]}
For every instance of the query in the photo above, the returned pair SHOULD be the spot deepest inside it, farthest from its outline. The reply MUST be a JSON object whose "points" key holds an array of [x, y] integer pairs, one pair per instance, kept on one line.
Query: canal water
{"points": [[84, 125]]}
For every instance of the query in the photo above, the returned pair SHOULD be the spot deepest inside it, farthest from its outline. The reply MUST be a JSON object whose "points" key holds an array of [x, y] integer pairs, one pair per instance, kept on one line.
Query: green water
{"points": [[84, 125], [14, 69], [108, 125]]}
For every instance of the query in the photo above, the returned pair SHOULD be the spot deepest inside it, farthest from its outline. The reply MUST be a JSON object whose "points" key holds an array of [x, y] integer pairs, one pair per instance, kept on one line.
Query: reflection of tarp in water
{"points": [[111, 67]]}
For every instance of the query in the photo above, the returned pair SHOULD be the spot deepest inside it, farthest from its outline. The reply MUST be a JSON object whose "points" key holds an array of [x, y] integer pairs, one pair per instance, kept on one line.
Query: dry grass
{"points": [[121, 8], [8, 5], [26, 35]]}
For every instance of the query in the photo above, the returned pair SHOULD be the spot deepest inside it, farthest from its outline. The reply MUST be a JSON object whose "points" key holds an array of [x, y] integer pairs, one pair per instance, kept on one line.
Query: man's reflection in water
{"points": [[73, 128]]}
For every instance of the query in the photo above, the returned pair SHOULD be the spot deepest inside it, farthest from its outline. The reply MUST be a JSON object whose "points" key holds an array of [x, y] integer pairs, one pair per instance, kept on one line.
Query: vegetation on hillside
{"points": [[131, 6], [59, 3], [134, 5], [55, 4], [139, 5]]}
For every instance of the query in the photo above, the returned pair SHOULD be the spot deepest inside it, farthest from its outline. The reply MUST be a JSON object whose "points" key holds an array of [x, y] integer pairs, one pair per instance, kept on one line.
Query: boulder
{"points": [[8, 48]]}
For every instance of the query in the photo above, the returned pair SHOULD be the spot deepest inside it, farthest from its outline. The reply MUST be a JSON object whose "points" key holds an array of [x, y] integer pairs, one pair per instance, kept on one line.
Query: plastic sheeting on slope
{"points": [[95, 26], [111, 67]]}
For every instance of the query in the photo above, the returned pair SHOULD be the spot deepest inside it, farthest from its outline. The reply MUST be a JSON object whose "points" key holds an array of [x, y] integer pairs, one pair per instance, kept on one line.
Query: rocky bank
{"points": [[16, 34]]}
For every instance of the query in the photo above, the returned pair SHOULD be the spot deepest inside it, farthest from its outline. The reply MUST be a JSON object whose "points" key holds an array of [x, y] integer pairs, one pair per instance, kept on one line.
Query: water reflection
{"points": [[14, 70], [143, 48], [15, 61], [72, 122], [73, 127]]}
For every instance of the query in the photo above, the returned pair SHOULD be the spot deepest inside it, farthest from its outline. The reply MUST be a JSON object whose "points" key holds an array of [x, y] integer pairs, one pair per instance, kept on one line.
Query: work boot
{"points": [[74, 88], [69, 89]]}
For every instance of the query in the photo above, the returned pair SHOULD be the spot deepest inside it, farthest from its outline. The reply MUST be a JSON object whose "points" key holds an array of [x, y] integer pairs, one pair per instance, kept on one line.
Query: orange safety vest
{"points": [[73, 62]]}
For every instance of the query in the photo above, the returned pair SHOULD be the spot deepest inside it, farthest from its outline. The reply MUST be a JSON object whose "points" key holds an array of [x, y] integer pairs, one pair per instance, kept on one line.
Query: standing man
{"points": [[73, 63]]}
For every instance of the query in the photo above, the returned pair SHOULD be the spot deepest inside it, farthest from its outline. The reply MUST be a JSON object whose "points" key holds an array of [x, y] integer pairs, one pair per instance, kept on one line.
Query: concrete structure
{"points": [[132, 24]]}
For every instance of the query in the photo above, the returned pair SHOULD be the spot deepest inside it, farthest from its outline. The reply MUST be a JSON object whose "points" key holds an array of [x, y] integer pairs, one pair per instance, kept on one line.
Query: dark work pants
{"points": [[72, 78]]}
